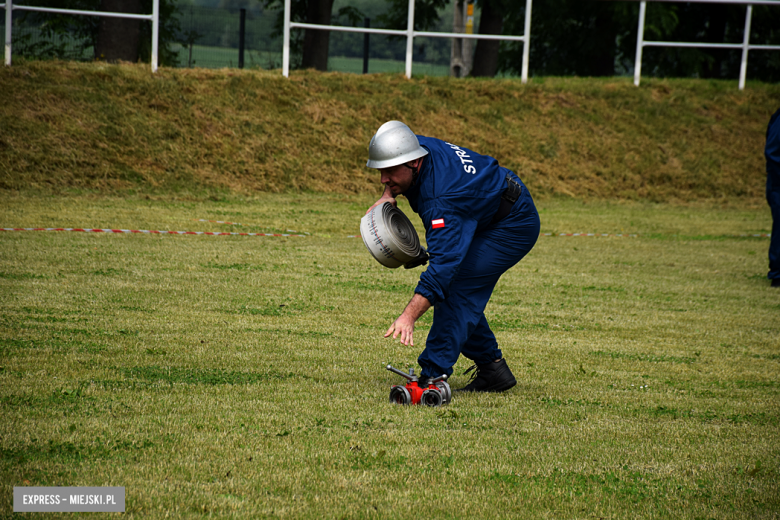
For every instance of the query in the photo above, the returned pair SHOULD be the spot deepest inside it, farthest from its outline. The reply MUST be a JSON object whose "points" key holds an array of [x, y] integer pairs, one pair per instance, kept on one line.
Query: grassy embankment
{"points": [[119, 129]]}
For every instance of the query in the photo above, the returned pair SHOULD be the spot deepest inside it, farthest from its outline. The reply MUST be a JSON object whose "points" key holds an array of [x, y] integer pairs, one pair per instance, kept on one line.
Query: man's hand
{"points": [[404, 325], [387, 196]]}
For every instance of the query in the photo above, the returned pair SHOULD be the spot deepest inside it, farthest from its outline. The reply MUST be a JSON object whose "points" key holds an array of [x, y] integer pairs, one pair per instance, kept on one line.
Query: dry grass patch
{"points": [[195, 132]]}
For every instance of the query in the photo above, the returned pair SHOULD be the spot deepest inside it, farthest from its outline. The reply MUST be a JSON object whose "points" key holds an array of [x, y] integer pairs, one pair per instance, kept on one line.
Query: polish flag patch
{"points": [[438, 223]]}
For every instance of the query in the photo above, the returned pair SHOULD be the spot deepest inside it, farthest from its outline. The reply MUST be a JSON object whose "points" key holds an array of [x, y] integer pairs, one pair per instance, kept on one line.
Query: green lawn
{"points": [[244, 376], [355, 65], [219, 57]]}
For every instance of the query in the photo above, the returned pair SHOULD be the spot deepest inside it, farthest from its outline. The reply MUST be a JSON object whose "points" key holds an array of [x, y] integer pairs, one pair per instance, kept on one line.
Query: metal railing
{"points": [[154, 18], [745, 46], [410, 34]]}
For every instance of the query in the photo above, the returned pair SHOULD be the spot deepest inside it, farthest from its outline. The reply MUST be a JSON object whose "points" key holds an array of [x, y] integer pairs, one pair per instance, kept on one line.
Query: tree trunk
{"points": [[315, 42], [604, 59], [118, 38], [486, 54], [716, 33]]}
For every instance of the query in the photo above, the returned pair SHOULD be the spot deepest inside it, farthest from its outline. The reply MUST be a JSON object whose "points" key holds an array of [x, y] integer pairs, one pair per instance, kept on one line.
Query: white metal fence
{"points": [[745, 46], [154, 18], [410, 34]]}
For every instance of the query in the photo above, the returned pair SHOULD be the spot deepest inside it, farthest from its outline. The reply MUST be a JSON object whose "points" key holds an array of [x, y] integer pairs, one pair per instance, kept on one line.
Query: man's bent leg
{"points": [[773, 198], [454, 321], [481, 346], [508, 243], [460, 316], [492, 372]]}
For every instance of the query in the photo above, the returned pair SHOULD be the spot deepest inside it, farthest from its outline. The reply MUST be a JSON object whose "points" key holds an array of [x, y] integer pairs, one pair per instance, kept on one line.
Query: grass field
{"points": [[220, 57], [243, 377]]}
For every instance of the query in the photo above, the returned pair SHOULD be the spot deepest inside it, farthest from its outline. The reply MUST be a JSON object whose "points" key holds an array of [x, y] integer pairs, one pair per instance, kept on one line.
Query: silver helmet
{"points": [[393, 144]]}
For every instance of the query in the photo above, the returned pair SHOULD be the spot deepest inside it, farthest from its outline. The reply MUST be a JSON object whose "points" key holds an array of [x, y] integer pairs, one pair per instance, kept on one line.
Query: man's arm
{"points": [[404, 325], [387, 196], [448, 243]]}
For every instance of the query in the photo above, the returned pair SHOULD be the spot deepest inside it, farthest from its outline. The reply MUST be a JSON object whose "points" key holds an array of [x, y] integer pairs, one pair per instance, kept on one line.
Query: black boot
{"points": [[492, 377]]}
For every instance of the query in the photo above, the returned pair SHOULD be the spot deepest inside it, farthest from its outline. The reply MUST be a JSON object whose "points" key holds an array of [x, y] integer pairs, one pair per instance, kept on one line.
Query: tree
{"points": [[716, 24], [117, 38], [170, 33], [426, 17], [77, 34], [426, 14], [61, 36], [316, 42], [491, 21], [70, 37], [584, 38], [590, 38], [314, 47]]}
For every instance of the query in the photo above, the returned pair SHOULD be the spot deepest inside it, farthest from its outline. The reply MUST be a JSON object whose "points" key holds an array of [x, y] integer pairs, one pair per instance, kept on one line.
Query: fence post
{"points": [[527, 42], [155, 32], [409, 39], [286, 43], [640, 40], [745, 47], [367, 23], [241, 32], [9, 7]]}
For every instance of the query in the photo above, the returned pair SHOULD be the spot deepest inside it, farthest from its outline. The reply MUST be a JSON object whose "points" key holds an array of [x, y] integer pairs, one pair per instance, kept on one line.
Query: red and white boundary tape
{"points": [[155, 232]]}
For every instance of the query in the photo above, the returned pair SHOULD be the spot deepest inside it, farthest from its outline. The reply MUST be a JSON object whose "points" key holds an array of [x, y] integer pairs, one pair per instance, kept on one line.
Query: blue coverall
{"points": [[457, 193], [772, 154]]}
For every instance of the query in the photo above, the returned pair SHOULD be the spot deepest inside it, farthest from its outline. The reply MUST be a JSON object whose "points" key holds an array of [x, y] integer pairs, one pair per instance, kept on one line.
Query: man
{"points": [[479, 221], [772, 154]]}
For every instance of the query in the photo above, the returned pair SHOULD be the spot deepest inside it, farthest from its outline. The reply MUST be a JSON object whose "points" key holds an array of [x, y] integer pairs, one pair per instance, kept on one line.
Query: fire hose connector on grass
{"points": [[436, 393]]}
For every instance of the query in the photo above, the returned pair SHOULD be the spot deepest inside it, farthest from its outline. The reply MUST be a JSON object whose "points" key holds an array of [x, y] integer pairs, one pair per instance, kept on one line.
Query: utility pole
{"points": [[462, 54]]}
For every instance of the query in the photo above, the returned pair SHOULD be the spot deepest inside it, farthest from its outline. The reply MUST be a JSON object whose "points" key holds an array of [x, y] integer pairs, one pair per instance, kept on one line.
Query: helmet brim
{"points": [[395, 161]]}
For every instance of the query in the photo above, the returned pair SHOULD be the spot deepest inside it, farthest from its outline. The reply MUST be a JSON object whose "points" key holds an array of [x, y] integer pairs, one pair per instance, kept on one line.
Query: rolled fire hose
{"points": [[391, 239]]}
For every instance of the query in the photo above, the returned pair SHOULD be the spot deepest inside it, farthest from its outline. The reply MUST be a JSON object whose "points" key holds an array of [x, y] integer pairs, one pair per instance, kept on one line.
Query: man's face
{"points": [[398, 178]]}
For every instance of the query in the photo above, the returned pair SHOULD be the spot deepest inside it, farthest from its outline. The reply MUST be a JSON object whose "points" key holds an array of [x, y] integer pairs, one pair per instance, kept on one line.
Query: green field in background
{"points": [[220, 57]]}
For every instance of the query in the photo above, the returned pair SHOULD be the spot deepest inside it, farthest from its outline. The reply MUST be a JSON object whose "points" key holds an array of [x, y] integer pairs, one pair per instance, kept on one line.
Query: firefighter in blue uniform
{"points": [[772, 154], [479, 221]]}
